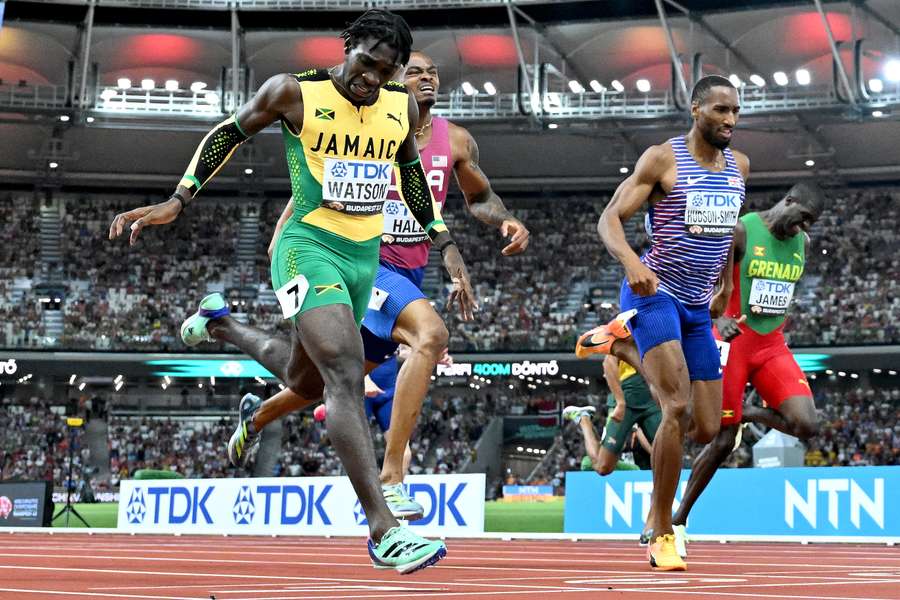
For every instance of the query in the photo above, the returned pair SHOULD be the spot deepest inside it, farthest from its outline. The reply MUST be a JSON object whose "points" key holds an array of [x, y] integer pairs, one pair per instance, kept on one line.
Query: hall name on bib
{"points": [[352, 146], [771, 269]]}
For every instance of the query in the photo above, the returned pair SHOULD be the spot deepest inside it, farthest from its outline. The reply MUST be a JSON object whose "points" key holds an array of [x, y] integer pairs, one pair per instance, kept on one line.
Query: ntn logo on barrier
{"points": [[841, 495], [624, 505], [839, 492]]}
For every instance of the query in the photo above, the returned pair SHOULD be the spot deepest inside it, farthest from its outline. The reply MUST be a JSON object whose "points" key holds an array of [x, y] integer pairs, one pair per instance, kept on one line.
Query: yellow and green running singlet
{"points": [[341, 162], [340, 165]]}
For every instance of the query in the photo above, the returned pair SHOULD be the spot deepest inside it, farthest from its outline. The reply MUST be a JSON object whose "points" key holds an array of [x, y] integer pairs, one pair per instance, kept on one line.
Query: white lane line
{"points": [[477, 594], [797, 584], [547, 556], [95, 594], [720, 594], [294, 579], [455, 557]]}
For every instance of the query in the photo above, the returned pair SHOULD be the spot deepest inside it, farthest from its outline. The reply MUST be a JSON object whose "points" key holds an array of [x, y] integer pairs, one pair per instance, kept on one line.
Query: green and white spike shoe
{"points": [[193, 330], [404, 551]]}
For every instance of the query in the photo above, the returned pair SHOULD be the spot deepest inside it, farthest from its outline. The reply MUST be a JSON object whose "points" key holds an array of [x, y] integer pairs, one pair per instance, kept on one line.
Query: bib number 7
{"points": [[291, 296]]}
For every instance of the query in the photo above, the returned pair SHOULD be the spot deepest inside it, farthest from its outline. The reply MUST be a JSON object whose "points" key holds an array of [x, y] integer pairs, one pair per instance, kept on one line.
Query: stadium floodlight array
{"points": [[892, 70], [576, 86]]}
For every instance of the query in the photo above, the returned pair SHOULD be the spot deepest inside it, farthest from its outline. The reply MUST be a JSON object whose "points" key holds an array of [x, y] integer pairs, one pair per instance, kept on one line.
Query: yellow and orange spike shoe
{"points": [[599, 340], [663, 556]]}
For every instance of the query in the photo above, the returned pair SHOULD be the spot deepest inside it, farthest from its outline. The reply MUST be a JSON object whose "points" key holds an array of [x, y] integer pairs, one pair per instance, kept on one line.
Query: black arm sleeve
{"points": [[418, 198], [212, 153]]}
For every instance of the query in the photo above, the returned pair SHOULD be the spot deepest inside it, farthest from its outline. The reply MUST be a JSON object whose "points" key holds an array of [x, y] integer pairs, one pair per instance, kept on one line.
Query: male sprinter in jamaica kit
{"points": [[341, 147], [695, 188], [769, 249], [399, 313]]}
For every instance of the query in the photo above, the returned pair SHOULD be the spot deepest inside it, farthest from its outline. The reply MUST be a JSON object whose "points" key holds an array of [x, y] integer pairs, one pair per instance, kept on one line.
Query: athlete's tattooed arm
{"points": [[484, 204], [417, 196]]}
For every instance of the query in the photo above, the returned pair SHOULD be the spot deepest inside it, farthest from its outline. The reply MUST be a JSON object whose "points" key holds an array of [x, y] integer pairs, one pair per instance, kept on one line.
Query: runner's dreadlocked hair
{"points": [[386, 27]]}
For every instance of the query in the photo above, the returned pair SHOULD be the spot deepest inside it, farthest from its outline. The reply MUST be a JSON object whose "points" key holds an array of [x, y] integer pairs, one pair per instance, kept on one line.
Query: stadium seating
{"points": [[859, 425], [134, 298]]}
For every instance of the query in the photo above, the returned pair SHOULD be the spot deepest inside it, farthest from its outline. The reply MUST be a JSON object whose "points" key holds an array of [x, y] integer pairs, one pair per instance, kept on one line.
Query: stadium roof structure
{"points": [[557, 68]]}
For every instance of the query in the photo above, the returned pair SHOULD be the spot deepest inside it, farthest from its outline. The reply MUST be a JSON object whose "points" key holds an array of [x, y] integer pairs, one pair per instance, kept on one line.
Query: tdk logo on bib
{"points": [[355, 186], [360, 170], [711, 213], [399, 225], [770, 297]]}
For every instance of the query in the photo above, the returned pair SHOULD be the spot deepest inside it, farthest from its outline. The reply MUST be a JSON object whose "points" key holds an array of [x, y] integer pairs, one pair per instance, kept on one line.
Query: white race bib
{"points": [[770, 297], [376, 300], [399, 225], [291, 295], [356, 187], [711, 213], [724, 349]]}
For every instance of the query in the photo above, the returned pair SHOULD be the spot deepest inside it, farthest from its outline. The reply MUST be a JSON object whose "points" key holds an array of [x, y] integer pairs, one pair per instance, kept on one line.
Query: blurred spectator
{"points": [[119, 297]]}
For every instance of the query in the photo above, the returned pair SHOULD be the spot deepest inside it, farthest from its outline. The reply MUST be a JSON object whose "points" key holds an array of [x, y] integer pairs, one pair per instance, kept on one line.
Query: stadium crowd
{"points": [[859, 425], [121, 297], [35, 444], [130, 297]]}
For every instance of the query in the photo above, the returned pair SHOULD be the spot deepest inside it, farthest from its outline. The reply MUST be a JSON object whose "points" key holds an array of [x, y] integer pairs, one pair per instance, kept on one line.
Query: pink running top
{"points": [[403, 242]]}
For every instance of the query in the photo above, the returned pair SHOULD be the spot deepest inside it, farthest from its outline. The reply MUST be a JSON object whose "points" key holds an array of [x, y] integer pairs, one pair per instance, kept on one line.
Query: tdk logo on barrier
{"points": [[442, 505], [281, 504], [183, 503], [359, 515], [137, 508], [296, 504], [244, 507]]}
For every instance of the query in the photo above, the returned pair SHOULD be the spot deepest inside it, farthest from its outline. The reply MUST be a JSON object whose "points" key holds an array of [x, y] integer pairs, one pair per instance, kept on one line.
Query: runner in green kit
{"points": [[345, 130], [630, 403], [769, 253]]}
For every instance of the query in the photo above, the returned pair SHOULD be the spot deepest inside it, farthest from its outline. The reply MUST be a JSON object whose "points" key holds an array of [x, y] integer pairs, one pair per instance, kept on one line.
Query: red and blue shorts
{"points": [[765, 362]]}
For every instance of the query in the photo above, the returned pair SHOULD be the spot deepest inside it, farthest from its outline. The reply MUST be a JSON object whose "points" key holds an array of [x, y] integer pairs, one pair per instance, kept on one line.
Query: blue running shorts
{"points": [[662, 318], [380, 406], [394, 288]]}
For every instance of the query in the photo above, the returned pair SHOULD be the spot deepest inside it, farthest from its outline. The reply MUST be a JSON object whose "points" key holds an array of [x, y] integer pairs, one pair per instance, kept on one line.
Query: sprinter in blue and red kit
{"points": [[694, 185]]}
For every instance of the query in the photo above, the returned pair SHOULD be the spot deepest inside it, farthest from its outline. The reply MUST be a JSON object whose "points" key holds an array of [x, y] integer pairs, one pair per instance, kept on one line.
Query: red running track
{"points": [[39, 565]]}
